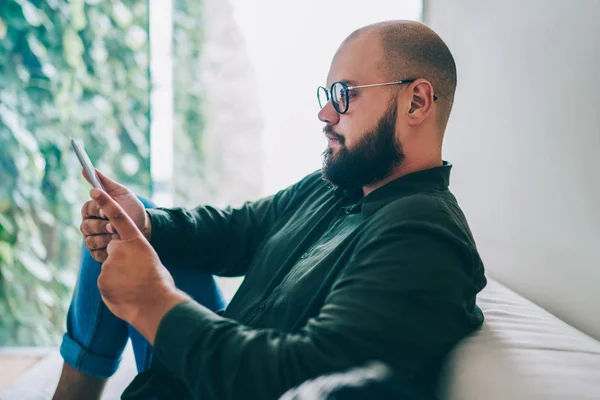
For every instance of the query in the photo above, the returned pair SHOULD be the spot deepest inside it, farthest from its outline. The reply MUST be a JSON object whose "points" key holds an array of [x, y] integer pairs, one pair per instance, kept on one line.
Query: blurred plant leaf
{"points": [[46, 217], [3, 29], [45, 296], [31, 13], [73, 48], [121, 14], [37, 47], [6, 225], [69, 69], [6, 253], [32, 264], [67, 277], [78, 19], [37, 246], [10, 119]]}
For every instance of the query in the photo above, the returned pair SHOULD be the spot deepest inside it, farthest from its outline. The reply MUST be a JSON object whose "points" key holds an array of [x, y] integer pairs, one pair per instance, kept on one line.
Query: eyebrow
{"points": [[347, 82]]}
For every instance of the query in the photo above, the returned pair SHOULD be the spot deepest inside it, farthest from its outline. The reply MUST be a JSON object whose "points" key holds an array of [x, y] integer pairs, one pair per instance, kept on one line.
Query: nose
{"points": [[328, 114]]}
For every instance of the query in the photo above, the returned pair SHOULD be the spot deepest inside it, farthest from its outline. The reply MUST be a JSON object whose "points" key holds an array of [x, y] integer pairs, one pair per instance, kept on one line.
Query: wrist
{"points": [[147, 228], [148, 316]]}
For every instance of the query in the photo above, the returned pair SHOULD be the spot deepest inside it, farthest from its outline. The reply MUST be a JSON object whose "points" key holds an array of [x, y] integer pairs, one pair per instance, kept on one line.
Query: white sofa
{"points": [[521, 352]]}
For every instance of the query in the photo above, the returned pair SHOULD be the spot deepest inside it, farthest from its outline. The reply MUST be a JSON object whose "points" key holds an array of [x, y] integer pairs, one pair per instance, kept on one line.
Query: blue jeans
{"points": [[95, 337]]}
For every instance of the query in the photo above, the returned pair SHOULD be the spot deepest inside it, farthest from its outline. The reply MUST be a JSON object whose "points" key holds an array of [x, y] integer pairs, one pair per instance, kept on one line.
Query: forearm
{"points": [[226, 360], [220, 241]]}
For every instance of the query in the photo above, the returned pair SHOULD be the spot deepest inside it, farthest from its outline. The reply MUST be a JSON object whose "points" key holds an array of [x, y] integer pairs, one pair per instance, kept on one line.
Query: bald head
{"points": [[412, 50]]}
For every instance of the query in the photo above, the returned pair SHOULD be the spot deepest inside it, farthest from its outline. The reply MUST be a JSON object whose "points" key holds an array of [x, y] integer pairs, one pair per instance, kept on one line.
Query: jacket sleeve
{"points": [[222, 241], [406, 297]]}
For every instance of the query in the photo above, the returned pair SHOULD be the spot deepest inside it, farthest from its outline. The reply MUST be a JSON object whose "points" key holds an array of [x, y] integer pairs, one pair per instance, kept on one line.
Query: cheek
{"points": [[352, 129]]}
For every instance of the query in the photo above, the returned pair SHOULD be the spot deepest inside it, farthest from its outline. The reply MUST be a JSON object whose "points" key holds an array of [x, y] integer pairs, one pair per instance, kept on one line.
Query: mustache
{"points": [[328, 130]]}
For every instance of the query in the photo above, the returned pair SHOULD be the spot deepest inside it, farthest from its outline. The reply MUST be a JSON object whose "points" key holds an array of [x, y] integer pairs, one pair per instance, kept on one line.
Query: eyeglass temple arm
{"points": [[381, 84], [385, 84]]}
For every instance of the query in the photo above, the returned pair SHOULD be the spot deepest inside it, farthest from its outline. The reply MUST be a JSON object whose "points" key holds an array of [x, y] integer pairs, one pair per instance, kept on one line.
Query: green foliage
{"points": [[188, 97], [70, 69]]}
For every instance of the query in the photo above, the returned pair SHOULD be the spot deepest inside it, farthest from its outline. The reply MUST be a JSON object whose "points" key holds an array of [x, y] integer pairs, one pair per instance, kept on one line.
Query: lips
{"points": [[332, 137], [332, 140]]}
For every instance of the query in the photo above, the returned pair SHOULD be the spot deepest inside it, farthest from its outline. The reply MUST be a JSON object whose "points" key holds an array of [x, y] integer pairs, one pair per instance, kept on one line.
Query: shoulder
{"points": [[433, 207], [428, 215], [428, 228]]}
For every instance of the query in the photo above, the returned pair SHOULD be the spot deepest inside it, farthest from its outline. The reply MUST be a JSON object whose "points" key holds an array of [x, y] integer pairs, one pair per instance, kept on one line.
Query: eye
{"points": [[352, 94]]}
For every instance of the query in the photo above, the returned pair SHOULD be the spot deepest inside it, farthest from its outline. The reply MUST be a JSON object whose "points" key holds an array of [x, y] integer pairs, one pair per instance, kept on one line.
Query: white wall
{"points": [[525, 138], [291, 44]]}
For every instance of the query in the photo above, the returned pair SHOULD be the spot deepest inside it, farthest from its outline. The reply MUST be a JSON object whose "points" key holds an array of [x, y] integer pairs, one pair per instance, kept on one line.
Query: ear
{"points": [[421, 105]]}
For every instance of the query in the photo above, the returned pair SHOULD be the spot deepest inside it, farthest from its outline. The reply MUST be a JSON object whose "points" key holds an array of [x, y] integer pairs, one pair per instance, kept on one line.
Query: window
{"points": [[211, 127]]}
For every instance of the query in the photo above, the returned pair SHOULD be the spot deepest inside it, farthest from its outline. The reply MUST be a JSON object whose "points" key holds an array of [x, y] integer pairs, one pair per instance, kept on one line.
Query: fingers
{"points": [[97, 242], [98, 245], [91, 210], [99, 255], [95, 226], [87, 178], [122, 223]]}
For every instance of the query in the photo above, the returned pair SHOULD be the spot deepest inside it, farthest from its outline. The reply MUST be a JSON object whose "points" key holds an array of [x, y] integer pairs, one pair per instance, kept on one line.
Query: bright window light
{"points": [[291, 45]]}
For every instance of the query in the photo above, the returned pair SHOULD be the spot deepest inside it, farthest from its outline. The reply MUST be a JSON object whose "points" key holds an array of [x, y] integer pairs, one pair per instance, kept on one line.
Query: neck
{"points": [[408, 166]]}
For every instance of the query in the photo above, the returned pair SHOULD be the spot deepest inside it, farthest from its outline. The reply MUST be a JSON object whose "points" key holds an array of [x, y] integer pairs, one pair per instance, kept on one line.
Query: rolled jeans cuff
{"points": [[83, 360]]}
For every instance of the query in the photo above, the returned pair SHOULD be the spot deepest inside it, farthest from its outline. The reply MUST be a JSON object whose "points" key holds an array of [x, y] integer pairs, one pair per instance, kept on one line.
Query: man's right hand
{"points": [[97, 230]]}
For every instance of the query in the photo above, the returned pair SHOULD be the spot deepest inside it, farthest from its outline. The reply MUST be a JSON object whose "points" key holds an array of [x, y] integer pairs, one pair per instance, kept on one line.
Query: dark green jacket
{"points": [[332, 280]]}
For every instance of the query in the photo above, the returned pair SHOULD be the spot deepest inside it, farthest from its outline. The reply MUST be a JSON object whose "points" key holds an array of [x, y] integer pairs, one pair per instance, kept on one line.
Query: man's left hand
{"points": [[134, 284]]}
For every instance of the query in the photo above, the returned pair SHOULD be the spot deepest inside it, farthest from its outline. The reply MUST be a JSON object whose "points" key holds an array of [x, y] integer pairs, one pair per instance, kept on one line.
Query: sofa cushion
{"points": [[521, 352]]}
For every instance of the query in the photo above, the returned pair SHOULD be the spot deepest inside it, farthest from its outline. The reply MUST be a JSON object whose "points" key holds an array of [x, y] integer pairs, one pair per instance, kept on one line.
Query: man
{"points": [[370, 258]]}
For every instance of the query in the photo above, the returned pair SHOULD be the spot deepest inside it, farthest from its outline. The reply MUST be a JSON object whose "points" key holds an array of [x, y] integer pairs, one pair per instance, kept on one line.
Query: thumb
{"points": [[119, 219]]}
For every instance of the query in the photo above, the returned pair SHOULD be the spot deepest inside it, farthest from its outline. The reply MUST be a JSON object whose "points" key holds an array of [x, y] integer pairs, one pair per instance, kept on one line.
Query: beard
{"points": [[372, 159]]}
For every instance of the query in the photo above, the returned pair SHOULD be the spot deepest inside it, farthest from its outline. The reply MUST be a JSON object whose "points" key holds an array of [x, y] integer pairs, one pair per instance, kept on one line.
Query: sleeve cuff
{"points": [[177, 333], [163, 230]]}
